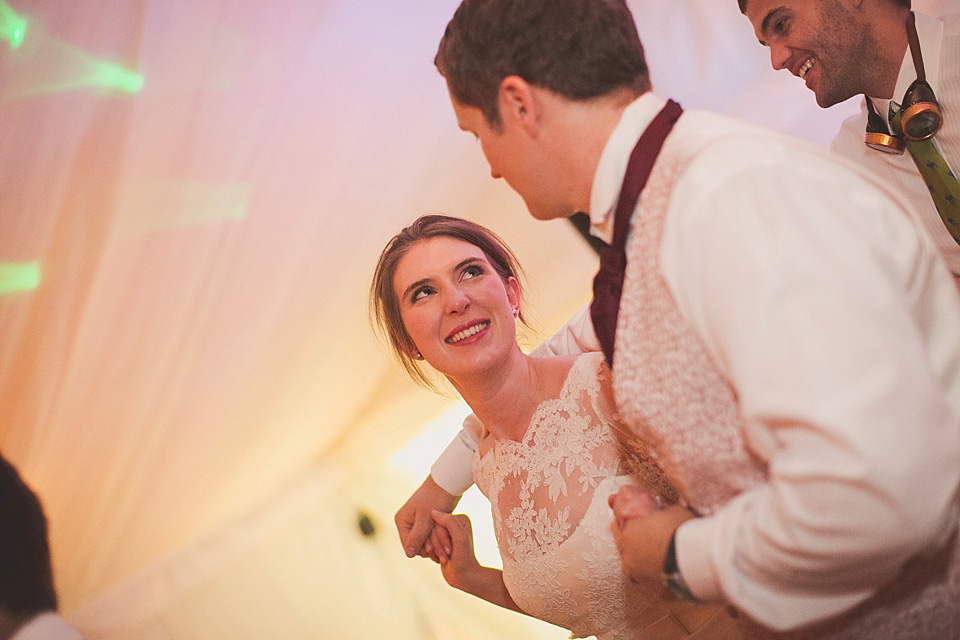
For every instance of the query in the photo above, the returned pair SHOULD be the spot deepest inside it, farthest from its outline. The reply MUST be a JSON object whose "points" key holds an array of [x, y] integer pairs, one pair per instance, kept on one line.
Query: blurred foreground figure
{"points": [[28, 600]]}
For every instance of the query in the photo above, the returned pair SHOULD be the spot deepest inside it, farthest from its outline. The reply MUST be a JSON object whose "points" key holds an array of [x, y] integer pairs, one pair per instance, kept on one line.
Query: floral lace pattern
{"points": [[548, 495]]}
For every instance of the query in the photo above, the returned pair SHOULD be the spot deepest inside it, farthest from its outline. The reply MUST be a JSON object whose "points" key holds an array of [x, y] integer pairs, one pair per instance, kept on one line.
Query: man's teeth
{"points": [[466, 333], [802, 72]]}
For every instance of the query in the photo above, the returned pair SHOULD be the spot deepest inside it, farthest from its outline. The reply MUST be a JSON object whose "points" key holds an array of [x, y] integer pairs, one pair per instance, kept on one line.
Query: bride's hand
{"points": [[642, 528], [461, 567], [632, 502]]}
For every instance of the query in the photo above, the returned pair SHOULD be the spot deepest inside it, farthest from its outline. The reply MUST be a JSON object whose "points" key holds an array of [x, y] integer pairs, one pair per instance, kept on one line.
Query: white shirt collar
{"points": [[607, 180], [46, 626], [930, 35]]}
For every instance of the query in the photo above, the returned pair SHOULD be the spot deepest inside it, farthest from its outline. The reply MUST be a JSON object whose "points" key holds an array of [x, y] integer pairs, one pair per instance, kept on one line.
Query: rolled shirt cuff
{"points": [[693, 547], [453, 470]]}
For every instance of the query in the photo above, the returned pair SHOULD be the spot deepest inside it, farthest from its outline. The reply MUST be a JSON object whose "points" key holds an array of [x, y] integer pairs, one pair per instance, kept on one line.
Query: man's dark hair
{"points": [[578, 49], [26, 574], [743, 4]]}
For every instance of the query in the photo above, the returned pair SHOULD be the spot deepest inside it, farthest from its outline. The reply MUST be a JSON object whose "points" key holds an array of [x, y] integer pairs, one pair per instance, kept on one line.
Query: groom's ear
{"points": [[517, 104]]}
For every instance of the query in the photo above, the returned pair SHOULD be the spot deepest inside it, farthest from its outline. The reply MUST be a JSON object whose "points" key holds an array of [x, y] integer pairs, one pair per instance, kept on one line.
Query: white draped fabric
{"points": [[193, 194]]}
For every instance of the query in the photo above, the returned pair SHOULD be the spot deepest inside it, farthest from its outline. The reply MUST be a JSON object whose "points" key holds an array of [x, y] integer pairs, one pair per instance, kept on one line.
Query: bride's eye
{"points": [[420, 293], [472, 270]]}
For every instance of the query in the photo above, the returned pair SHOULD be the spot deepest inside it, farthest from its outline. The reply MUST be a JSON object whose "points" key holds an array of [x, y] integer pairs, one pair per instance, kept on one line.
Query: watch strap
{"points": [[672, 579]]}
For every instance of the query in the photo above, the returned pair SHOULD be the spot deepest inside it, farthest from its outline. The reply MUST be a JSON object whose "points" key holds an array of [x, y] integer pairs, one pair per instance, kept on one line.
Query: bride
{"points": [[551, 449]]}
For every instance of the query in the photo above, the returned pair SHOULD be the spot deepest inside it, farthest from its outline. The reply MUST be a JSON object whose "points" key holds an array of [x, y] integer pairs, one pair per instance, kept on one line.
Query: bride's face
{"points": [[455, 307]]}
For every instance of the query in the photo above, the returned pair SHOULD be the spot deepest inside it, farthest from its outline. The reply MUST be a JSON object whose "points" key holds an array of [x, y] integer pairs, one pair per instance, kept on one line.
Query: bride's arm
{"points": [[462, 570]]}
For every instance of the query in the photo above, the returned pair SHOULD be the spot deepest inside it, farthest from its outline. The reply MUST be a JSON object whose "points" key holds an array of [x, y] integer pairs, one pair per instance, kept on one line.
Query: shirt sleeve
{"points": [[577, 336], [836, 323], [453, 470]]}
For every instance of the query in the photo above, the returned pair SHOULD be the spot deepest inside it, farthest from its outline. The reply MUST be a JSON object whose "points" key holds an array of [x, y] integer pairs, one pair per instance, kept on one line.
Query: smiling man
{"points": [[845, 48]]}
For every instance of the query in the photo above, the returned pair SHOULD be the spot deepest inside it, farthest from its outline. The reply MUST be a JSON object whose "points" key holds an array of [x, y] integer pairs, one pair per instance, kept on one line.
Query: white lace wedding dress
{"points": [[548, 495]]}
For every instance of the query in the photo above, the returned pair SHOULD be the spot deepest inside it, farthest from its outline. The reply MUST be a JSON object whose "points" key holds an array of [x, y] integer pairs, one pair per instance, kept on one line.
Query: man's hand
{"points": [[642, 528], [418, 535]]}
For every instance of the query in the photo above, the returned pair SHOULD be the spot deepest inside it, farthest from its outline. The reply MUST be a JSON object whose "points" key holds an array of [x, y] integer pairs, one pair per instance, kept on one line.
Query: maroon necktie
{"points": [[608, 283]]}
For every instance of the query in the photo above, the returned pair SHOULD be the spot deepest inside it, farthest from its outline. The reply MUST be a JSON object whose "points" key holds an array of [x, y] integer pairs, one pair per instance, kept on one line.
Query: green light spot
{"points": [[116, 77], [183, 204], [12, 26], [22, 276], [51, 65]]}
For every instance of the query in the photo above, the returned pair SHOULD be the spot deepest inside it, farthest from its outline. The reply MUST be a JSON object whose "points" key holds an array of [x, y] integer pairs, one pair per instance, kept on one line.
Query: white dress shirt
{"points": [[940, 47], [803, 279]]}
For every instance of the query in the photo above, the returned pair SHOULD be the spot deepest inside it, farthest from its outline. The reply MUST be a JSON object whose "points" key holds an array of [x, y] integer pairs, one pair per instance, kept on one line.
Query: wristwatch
{"points": [[671, 577]]}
